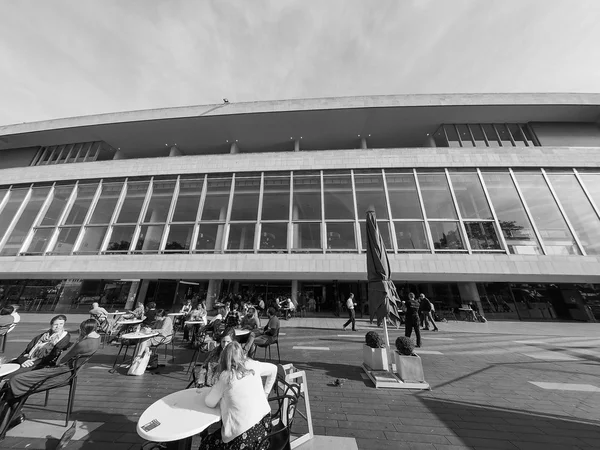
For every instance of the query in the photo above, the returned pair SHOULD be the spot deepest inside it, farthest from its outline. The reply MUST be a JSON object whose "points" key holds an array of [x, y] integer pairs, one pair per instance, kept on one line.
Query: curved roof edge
{"points": [[372, 101]]}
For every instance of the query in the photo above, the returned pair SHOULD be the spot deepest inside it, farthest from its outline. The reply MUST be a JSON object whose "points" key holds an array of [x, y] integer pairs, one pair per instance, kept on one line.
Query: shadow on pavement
{"points": [[496, 427]]}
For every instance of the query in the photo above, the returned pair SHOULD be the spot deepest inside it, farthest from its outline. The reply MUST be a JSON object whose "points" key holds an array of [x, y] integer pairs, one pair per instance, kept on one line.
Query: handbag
{"points": [[138, 367]]}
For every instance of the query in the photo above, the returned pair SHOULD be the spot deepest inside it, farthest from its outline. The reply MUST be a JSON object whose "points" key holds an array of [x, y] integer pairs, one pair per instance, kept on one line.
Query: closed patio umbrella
{"points": [[383, 298]]}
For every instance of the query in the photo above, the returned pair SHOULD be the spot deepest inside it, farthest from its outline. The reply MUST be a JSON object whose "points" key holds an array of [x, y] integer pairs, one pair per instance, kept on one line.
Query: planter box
{"points": [[409, 368], [375, 358]]}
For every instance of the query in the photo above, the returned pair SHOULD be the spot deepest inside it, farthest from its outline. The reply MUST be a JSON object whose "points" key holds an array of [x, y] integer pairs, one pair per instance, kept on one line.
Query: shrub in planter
{"points": [[408, 364], [374, 352]]}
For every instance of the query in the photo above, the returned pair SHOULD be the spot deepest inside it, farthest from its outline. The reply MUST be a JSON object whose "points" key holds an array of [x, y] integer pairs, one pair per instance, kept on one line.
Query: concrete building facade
{"points": [[485, 199]]}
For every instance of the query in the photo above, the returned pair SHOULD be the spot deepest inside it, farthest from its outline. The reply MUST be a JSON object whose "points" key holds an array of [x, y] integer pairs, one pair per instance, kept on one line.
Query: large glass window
{"points": [[210, 237], [337, 194], [15, 198], [160, 201], [384, 230], [547, 217], [188, 200], [81, 205], [410, 236], [134, 200], [25, 222], [273, 236], [482, 236], [592, 185], [446, 236], [66, 240], [578, 209], [370, 195], [39, 241], [404, 199], [307, 197], [306, 236], [91, 241], [149, 238], [120, 238], [340, 236], [109, 196], [436, 196], [217, 199], [516, 227], [245, 198], [241, 236], [276, 198], [57, 205], [179, 239]]}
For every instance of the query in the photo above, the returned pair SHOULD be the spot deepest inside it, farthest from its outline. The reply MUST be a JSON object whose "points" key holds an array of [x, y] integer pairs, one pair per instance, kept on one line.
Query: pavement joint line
{"points": [[552, 356], [429, 352], [350, 336], [566, 386], [302, 347], [437, 338]]}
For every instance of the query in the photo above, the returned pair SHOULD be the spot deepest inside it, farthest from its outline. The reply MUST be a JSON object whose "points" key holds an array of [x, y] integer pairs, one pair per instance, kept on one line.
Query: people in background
{"points": [[187, 307], [426, 309], [233, 318], [216, 326], [45, 348], [150, 314], [198, 314], [249, 322], [239, 391], [15, 315], [86, 345], [208, 374], [101, 316], [412, 318], [351, 315], [263, 337], [7, 321], [137, 313], [164, 325]]}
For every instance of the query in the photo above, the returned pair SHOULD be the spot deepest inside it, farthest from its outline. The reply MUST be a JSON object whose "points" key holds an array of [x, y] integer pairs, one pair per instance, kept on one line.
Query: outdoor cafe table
{"points": [[178, 417], [7, 369], [130, 322], [239, 333], [139, 337]]}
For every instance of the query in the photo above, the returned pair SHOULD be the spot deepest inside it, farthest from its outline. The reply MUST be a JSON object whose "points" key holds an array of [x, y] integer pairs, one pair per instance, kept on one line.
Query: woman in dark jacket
{"points": [[19, 385], [44, 349]]}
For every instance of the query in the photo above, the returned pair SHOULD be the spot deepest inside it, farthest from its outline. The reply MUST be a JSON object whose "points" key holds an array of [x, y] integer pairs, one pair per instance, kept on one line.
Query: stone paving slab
{"points": [[482, 395]]}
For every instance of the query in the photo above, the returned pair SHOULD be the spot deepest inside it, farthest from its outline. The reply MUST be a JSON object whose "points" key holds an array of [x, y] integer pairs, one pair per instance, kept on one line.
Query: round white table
{"points": [[239, 332], [138, 336], [7, 369], [117, 313], [178, 417], [176, 314], [195, 322]]}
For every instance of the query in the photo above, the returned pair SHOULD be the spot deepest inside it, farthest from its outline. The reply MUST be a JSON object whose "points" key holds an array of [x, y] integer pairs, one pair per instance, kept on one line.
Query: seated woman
{"points": [[233, 318], [101, 316], [208, 374], [164, 325], [87, 344], [137, 313], [196, 314], [150, 314], [245, 410], [44, 349], [249, 322], [265, 336], [216, 325]]}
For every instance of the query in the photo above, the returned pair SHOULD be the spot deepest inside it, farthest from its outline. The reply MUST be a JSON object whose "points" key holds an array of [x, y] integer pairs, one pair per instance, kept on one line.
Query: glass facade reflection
{"points": [[521, 212]]}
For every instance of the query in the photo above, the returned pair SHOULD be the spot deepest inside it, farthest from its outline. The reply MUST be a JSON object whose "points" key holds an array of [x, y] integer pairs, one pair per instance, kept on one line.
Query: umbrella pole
{"points": [[387, 338]]}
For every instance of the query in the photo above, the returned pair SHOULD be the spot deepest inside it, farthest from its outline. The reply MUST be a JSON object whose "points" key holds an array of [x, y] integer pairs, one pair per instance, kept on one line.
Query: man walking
{"points": [[427, 310], [350, 306], [412, 318]]}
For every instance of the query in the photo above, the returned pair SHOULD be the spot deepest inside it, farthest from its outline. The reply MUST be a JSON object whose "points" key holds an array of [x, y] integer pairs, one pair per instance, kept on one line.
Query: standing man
{"points": [[427, 308], [350, 306], [412, 318]]}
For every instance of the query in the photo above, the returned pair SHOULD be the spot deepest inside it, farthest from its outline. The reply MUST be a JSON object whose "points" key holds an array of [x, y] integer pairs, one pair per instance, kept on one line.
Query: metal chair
{"points": [[124, 343], [268, 345], [164, 342], [201, 347], [75, 364], [282, 416]]}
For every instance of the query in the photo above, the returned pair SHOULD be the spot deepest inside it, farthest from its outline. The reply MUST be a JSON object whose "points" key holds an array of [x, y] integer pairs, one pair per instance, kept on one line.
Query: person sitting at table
{"points": [[101, 316], [18, 385], [207, 374], [137, 313], [216, 325], [249, 322], [233, 318], [266, 336], [150, 314], [196, 314], [45, 348], [164, 326], [245, 409], [7, 321]]}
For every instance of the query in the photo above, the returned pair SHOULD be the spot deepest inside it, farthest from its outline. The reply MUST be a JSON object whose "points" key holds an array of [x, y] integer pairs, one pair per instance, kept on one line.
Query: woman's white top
{"points": [[243, 402]]}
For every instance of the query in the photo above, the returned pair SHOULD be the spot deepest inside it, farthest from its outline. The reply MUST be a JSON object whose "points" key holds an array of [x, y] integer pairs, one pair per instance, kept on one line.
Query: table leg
{"points": [[184, 444]]}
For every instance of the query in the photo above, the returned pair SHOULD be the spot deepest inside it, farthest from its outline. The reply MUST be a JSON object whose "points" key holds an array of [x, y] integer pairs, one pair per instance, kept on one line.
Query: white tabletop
{"points": [[117, 313], [176, 314], [131, 322], [179, 415], [139, 335], [6, 369], [239, 332], [194, 322]]}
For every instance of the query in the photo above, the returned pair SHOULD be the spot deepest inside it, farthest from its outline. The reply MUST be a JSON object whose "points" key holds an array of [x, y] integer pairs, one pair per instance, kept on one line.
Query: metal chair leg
{"points": [[71, 400], [46, 398]]}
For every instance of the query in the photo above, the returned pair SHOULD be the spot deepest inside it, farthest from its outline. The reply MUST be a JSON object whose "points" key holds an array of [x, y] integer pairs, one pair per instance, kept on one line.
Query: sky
{"points": [[70, 58]]}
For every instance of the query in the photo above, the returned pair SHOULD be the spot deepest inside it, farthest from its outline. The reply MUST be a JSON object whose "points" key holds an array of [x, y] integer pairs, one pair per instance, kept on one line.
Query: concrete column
{"points": [[429, 142], [175, 151], [141, 297], [153, 233], [213, 293], [119, 155], [221, 228], [130, 304], [469, 293], [297, 145], [295, 292], [363, 143], [295, 228], [234, 149]]}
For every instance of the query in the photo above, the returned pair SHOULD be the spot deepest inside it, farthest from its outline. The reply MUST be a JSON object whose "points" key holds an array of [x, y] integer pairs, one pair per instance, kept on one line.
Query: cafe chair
{"points": [[47, 384], [164, 342], [268, 346], [283, 410], [201, 346], [124, 343], [4, 336]]}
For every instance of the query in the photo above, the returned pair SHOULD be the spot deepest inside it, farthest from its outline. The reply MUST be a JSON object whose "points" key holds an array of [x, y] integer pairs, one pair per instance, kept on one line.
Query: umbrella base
{"points": [[384, 379]]}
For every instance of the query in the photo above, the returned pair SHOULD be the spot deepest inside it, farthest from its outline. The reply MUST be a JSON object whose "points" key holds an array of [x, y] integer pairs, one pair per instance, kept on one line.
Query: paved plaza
{"points": [[500, 385]]}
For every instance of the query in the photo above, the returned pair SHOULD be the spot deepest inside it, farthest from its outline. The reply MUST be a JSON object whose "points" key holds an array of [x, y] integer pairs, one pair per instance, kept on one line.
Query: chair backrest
{"points": [[75, 364]]}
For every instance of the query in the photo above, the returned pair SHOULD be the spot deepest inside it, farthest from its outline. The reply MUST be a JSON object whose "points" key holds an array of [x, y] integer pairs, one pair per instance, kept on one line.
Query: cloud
{"points": [[66, 58]]}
